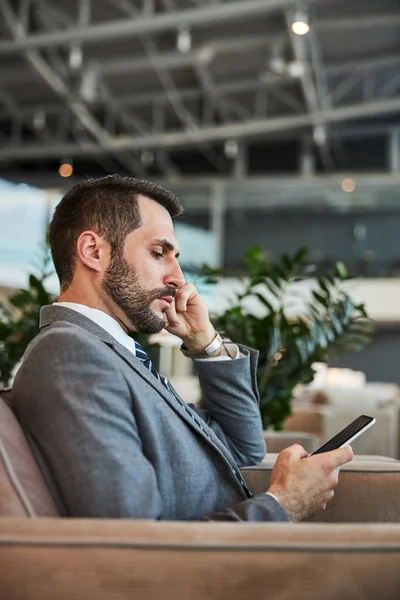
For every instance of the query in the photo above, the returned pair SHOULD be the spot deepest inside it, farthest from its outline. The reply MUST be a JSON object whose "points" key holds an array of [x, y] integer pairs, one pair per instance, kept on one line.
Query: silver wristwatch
{"points": [[207, 351]]}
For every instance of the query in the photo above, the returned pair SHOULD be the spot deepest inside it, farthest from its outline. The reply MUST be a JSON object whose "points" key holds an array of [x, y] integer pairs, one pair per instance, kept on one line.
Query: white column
{"points": [[217, 216], [394, 151]]}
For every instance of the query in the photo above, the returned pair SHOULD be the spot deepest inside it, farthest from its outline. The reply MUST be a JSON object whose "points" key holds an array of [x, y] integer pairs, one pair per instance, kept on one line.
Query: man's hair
{"points": [[109, 207]]}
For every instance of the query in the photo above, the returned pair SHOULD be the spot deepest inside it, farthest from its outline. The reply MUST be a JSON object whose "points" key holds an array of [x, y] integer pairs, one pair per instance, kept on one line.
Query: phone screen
{"points": [[349, 433]]}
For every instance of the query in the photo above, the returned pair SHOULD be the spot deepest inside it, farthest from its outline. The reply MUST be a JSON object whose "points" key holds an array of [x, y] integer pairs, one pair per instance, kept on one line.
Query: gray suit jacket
{"points": [[112, 441]]}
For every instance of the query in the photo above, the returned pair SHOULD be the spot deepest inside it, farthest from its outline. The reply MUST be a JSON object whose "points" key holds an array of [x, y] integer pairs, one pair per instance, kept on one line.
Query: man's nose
{"points": [[175, 279]]}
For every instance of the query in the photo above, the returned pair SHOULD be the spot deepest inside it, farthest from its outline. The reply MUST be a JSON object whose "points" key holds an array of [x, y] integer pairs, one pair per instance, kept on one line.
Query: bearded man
{"points": [[112, 436]]}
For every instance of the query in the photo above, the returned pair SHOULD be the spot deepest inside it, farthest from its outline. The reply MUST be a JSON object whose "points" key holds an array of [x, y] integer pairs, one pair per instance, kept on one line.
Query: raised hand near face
{"points": [[188, 318]]}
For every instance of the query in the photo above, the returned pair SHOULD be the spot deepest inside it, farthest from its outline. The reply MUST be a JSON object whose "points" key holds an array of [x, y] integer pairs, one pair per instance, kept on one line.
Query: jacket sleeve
{"points": [[232, 405], [75, 405], [259, 508]]}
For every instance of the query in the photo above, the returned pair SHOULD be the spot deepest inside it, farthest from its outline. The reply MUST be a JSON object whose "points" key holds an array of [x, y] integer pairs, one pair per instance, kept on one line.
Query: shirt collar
{"points": [[105, 321]]}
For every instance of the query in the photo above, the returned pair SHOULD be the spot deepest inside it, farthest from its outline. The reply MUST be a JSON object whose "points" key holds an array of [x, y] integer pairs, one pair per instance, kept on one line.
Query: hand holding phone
{"points": [[304, 487], [347, 435]]}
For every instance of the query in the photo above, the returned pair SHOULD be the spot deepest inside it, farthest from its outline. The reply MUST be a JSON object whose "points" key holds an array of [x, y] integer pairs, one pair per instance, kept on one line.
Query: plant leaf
{"points": [[341, 271], [321, 299]]}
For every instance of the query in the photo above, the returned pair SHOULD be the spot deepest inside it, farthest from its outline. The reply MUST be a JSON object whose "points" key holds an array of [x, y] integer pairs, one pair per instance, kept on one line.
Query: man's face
{"points": [[143, 281]]}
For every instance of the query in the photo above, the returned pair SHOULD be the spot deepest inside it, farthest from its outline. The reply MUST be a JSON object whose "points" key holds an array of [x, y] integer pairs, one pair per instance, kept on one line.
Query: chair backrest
{"points": [[23, 491]]}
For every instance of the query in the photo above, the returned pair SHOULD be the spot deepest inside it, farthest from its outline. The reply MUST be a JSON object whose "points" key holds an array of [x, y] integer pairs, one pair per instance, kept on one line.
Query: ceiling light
{"points": [[89, 86], [184, 40], [277, 64], [66, 169], [75, 58], [296, 68], [319, 135], [231, 148], [348, 185], [300, 25]]}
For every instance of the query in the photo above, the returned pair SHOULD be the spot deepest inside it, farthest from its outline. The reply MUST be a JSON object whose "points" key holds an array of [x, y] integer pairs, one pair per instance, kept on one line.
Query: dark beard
{"points": [[123, 286]]}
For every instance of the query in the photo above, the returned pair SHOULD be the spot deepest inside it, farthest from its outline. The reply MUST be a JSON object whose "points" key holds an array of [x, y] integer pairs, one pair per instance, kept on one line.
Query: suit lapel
{"points": [[168, 396]]}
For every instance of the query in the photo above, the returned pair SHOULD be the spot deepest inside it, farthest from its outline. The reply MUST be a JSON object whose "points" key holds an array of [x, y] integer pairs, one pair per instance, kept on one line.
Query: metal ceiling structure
{"points": [[161, 88]]}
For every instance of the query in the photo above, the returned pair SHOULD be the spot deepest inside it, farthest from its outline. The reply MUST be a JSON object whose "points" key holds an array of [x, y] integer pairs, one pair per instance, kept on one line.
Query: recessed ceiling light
{"points": [[300, 25], [66, 169], [348, 185], [184, 40], [231, 148]]}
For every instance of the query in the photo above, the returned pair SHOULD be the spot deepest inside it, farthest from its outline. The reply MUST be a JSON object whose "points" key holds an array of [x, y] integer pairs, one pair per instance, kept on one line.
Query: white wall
{"points": [[381, 297]]}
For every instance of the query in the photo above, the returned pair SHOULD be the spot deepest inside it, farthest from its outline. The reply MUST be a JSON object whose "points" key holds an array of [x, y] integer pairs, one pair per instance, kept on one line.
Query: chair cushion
{"points": [[23, 491]]}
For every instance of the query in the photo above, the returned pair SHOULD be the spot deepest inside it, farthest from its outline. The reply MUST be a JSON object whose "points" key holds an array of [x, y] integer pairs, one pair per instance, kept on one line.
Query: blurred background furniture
{"points": [[278, 440], [322, 409], [336, 397]]}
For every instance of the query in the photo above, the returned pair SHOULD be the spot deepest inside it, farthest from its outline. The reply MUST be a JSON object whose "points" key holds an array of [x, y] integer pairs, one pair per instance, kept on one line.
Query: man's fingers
{"points": [[296, 451], [172, 316], [183, 295], [340, 457]]}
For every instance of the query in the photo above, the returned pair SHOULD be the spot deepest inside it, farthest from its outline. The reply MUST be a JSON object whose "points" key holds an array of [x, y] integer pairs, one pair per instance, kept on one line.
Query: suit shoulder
{"points": [[62, 332], [65, 342]]}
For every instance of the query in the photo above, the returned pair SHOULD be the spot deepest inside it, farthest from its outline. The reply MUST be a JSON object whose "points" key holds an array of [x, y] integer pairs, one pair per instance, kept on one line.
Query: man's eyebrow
{"points": [[167, 245]]}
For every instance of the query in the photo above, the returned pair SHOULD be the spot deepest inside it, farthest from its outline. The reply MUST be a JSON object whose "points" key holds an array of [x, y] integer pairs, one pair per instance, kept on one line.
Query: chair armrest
{"points": [[278, 440], [368, 491], [99, 559]]}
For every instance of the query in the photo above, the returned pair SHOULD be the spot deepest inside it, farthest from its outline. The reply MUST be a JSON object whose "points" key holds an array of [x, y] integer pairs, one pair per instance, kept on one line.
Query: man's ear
{"points": [[93, 251]]}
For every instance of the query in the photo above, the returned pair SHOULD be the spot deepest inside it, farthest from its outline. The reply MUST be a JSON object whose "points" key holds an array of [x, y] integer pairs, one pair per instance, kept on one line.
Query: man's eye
{"points": [[157, 254]]}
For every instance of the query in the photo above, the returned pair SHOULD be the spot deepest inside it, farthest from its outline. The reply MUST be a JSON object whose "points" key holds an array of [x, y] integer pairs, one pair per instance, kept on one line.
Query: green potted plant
{"points": [[289, 346], [19, 317]]}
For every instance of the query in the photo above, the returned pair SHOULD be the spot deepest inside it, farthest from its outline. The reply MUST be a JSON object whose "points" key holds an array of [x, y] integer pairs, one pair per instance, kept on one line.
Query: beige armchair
{"points": [[43, 556]]}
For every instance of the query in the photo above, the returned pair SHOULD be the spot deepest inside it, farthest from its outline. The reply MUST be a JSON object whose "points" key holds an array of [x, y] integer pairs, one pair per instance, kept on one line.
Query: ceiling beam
{"points": [[172, 93], [47, 74], [250, 129], [146, 99], [357, 22], [58, 85], [134, 27], [205, 54]]}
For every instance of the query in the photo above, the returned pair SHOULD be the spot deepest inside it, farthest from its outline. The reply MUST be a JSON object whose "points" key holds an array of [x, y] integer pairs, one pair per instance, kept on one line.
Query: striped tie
{"points": [[145, 360]]}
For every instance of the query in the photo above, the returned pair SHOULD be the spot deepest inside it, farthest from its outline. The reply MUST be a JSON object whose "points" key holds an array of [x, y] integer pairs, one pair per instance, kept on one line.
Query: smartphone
{"points": [[347, 435]]}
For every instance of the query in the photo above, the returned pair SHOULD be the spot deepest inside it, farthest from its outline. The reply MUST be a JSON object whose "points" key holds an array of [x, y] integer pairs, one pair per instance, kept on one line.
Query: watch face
{"points": [[215, 344], [206, 352]]}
